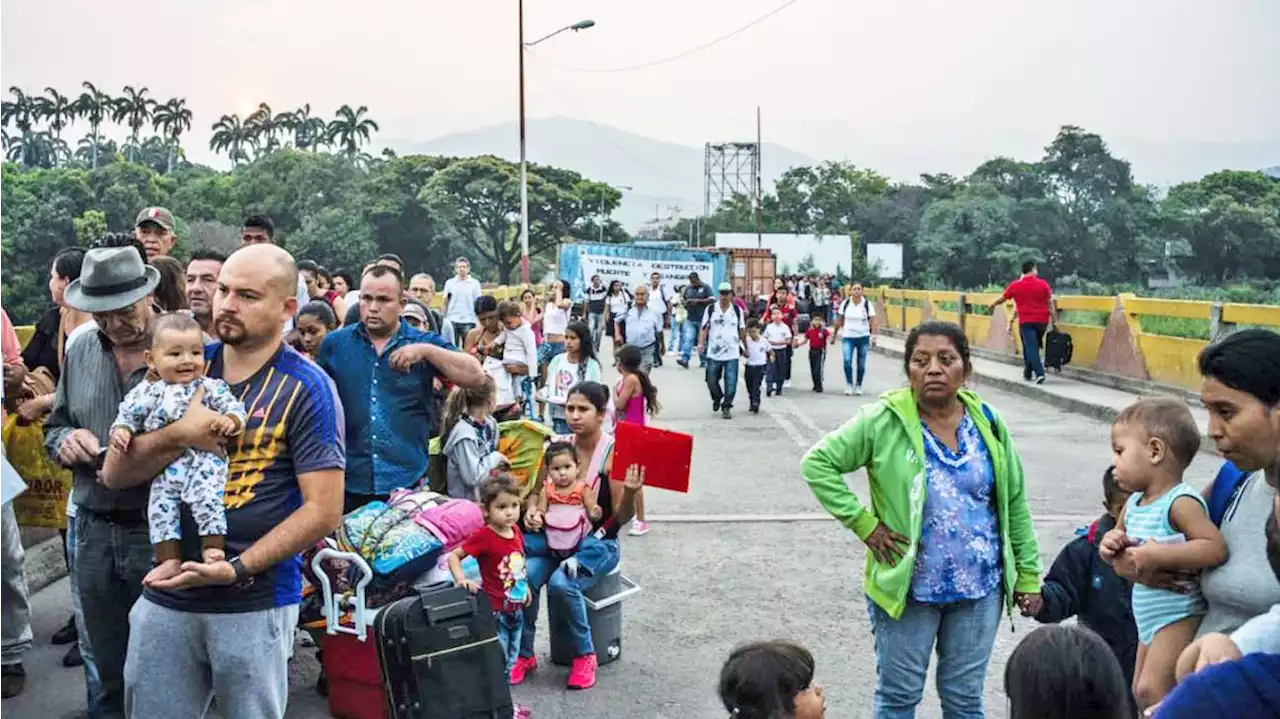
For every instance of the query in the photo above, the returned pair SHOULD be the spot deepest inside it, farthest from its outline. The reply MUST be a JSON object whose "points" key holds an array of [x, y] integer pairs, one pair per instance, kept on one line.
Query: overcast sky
{"points": [[823, 70]]}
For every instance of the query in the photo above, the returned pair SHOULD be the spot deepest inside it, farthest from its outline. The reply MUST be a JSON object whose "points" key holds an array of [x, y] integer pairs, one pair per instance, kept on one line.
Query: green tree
{"points": [[56, 109], [351, 129], [95, 106], [22, 112], [265, 126], [172, 119], [233, 136], [308, 132], [134, 109], [87, 150]]}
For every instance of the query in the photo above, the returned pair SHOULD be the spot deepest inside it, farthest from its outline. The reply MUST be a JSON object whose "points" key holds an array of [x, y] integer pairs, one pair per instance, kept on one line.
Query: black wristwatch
{"points": [[238, 565]]}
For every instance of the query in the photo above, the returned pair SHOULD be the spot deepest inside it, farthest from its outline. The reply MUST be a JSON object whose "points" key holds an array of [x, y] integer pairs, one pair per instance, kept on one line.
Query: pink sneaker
{"points": [[583, 673], [522, 712], [639, 528], [521, 669]]}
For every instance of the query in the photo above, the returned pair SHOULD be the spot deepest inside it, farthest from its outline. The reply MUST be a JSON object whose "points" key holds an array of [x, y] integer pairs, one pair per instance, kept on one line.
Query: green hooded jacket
{"points": [[886, 439]]}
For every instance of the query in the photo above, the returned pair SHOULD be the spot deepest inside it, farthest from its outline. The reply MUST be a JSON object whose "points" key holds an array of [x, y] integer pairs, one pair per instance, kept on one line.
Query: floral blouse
{"points": [[959, 552]]}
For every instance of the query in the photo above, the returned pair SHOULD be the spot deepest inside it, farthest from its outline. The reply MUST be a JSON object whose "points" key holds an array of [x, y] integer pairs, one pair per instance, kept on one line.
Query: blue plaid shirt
{"points": [[390, 415]]}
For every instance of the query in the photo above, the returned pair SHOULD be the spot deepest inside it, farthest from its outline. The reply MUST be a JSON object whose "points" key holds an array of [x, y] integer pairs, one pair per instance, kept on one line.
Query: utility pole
{"points": [[524, 172], [759, 186]]}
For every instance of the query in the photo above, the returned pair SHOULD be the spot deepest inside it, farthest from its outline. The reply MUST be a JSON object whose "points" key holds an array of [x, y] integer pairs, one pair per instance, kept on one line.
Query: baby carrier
{"points": [[566, 521]]}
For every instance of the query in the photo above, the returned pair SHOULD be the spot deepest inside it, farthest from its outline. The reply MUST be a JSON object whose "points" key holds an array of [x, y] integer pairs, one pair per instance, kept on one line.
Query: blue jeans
{"points": [[688, 339], [861, 345], [509, 625], [595, 323], [111, 560], [560, 425], [729, 369], [1032, 335], [93, 685], [596, 558], [778, 370], [964, 632]]}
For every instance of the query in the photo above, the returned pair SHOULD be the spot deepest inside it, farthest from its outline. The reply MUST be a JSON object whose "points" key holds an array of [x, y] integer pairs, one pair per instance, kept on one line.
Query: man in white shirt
{"points": [[658, 303], [856, 325], [643, 328], [460, 293], [723, 332]]}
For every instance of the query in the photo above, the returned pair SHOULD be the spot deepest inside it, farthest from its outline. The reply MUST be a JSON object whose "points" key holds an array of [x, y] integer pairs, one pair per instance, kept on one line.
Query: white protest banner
{"points": [[634, 271]]}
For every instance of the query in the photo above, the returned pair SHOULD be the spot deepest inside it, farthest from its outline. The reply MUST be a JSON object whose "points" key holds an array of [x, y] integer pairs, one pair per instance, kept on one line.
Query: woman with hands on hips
{"points": [[948, 529]]}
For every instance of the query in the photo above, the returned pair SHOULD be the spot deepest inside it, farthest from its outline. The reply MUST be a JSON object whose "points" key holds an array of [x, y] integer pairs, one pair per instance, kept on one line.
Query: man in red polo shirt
{"points": [[1033, 299]]}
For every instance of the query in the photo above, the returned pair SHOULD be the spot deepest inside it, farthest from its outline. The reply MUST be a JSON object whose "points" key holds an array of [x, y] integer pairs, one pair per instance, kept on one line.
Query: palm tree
{"points": [[135, 109], [232, 135], [58, 109], [308, 131], [265, 126], [22, 112], [172, 119], [91, 146], [35, 149], [94, 105], [154, 152], [351, 129]]}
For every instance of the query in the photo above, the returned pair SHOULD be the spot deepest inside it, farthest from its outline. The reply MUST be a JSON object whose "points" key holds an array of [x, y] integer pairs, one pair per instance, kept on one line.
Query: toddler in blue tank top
{"points": [[1164, 526]]}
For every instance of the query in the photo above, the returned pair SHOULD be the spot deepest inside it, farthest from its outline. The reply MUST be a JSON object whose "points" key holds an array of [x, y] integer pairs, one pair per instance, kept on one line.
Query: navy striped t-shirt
{"points": [[295, 426]]}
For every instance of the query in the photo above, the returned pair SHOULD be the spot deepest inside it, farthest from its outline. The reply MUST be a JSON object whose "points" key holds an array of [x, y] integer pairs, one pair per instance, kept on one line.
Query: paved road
{"points": [[709, 585]]}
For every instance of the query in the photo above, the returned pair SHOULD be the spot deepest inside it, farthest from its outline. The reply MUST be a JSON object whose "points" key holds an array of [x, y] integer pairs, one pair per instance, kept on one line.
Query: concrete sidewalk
{"points": [[1072, 395]]}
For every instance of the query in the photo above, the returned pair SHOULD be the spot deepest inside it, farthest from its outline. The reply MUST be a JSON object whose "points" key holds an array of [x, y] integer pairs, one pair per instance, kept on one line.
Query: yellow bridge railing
{"points": [[1136, 337]]}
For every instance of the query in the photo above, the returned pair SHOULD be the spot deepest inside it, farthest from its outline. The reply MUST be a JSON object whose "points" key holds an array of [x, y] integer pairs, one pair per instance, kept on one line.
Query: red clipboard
{"points": [[666, 456]]}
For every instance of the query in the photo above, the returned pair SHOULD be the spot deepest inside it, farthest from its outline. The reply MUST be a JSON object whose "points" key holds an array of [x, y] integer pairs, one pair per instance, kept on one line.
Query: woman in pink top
{"points": [[635, 399], [531, 313]]}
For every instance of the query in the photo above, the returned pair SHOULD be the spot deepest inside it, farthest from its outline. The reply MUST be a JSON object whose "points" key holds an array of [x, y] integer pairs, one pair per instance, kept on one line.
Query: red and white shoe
{"points": [[583, 673]]}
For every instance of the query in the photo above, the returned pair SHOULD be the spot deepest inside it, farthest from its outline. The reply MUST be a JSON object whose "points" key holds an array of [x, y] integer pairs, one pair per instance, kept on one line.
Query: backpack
{"points": [[866, 307], [1226, 486], [706, 316], [1058, 349]]}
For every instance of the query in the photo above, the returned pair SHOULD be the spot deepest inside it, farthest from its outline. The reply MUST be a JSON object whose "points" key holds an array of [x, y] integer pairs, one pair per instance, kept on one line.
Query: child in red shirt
{"points": [[817, 335], [499, 550]]}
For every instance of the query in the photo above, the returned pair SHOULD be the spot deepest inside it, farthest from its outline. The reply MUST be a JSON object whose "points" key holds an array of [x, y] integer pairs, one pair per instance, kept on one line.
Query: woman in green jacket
{"points": [[948, 527]]}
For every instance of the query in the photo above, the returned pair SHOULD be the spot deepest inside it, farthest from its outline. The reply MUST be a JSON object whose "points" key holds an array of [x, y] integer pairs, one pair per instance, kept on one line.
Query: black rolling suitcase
{"points": [[440, 656], [1058, 349]]}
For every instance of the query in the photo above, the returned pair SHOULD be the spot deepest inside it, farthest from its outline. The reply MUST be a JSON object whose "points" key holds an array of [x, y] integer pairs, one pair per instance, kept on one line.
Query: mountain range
{"points": [[667, 177]]}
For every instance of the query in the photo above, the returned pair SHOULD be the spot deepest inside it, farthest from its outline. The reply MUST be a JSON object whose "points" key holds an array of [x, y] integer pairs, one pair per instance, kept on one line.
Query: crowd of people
{"points": [[220, 418]]}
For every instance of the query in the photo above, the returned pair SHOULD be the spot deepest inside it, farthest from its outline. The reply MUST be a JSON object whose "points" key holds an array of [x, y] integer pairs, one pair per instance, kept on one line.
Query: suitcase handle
{"points": [[437, 614], [332, 604]]}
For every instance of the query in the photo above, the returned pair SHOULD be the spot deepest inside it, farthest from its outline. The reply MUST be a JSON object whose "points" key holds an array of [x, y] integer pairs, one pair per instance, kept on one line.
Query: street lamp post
{"points": [[524, 171], [616, 187]]}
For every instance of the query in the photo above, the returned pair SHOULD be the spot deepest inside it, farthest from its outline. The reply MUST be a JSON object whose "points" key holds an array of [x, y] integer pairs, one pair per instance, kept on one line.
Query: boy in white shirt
{"points": [[778, 335], [520, 352], [756, 351]]}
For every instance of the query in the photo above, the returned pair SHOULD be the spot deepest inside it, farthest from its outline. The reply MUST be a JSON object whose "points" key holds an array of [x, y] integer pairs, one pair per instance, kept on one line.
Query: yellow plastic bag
{"points": [[44, 504]]}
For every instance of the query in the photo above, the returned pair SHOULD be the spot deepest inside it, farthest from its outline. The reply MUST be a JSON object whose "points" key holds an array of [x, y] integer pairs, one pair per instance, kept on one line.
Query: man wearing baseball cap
{"points": [[154, 229]]}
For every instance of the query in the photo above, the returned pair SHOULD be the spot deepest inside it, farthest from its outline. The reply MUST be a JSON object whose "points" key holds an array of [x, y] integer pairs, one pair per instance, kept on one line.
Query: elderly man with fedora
{"points": [[113, 550]]}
